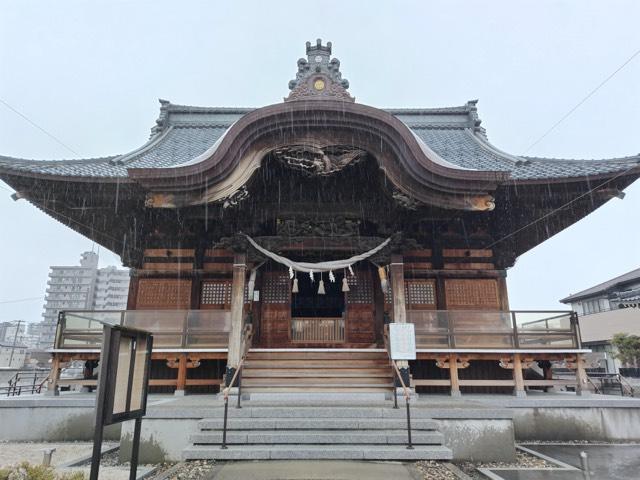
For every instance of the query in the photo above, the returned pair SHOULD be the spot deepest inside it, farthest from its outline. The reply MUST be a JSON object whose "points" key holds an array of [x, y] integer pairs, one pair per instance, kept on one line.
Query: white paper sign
{"points": [[403, 341]]}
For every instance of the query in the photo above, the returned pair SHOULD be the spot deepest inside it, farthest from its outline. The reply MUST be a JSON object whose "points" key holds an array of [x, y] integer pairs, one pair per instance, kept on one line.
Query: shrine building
{"points": [[284, 240]]}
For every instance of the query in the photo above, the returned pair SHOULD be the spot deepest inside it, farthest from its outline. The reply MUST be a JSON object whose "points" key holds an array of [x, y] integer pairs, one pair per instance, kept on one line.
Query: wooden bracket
{"points": [[175, 363], [461, 362]]}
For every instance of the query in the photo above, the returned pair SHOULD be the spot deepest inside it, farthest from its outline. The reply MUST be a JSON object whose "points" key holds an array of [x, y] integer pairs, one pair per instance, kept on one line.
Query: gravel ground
{"points": [[432, 470], [193, 470], [12, 453], [523, 460]]}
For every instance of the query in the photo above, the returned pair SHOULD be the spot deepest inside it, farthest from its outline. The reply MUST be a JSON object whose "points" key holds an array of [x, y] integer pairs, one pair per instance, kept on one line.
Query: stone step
{"points": [[310, 372], [327, 363], [320, 412], [318, 437], [250, 423], [327, 379], [317, 387], [319, 355], [300, 452]]}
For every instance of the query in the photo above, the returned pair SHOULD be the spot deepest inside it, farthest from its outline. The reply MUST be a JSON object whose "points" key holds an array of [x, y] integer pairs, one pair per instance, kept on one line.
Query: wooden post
{"points": [[581, 376], [518, 377], [182, 375], [399, 303], [397, 289], [503, 296], [453, 375], [237, 310], [54, 376]]}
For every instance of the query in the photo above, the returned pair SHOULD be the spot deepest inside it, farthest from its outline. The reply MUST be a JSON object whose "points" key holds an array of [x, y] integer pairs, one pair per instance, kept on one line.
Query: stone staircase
{"points": [[364, 371], [363, 432]]}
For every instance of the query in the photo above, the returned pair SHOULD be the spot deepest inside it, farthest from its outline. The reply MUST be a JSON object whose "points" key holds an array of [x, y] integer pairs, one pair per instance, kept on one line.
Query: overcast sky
{"points": [[91, 73]]}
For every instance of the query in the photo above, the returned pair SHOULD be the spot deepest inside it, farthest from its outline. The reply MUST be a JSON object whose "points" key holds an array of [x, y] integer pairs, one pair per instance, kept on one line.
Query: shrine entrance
{"points": [[318, 310], [319, 315]]}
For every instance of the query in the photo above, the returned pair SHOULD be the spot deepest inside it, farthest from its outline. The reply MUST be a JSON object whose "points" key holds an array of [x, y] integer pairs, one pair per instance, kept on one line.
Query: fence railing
{"points": [[170, 328], [481, 329]]}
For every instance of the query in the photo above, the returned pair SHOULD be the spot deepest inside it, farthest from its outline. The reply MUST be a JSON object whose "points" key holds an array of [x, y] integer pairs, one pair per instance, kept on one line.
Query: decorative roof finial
{"points": [[319, 76]]}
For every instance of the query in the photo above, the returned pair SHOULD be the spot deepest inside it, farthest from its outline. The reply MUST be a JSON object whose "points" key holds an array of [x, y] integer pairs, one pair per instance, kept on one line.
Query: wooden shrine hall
{"points": [[284, 239]]}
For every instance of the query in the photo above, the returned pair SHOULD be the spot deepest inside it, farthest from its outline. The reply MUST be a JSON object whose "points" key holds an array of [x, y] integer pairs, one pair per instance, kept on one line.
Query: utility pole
{"points": [[15, 340]]}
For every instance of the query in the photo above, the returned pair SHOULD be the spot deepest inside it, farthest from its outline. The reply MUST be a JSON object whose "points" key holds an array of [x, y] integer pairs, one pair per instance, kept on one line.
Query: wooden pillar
{"points": [[453, 375], [503, 296], [581, 376], [518, 377], [399, 303], [182, 375], [397, 289], [237, 312], [54, 376]]}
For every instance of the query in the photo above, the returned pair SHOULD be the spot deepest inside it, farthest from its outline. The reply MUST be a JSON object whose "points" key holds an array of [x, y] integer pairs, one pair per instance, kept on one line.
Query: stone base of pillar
{"points": [[179, 393], [52, 393], [520, 394], [455, 393]]}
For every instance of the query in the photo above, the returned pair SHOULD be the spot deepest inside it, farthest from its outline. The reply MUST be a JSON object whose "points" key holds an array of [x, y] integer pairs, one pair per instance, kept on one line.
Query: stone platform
{"points": [[472, 427]]}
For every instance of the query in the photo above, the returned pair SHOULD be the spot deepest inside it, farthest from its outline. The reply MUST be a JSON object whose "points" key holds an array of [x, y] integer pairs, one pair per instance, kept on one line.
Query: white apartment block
{"points": [[84, 287], [12, 356]]}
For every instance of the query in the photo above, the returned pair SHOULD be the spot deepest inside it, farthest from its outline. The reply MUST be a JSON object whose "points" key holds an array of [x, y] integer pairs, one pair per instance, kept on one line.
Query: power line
{"points": [[562, 207], [589, 95], [39, 127], [21, 300]]}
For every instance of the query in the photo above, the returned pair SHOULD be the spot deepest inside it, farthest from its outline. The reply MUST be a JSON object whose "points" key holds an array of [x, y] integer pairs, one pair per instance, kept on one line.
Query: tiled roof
{"points": [[629, 277], [454, 133]]}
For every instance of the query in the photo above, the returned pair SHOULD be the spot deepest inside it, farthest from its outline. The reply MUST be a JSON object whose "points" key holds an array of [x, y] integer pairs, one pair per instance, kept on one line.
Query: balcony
{"points": [[171, 329]]}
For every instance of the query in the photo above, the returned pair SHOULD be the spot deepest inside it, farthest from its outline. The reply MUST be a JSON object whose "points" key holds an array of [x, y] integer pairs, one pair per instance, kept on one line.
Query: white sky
{"points": [[91, 73]]}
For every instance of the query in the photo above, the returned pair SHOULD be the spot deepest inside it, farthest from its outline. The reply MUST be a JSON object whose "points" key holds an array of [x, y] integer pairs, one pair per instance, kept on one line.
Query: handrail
{"points": [[246, 345], [407, 393], [14, 388], [625, 383]]}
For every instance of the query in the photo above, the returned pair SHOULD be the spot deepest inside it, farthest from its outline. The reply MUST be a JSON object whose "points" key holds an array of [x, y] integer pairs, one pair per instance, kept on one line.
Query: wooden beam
{"points": [[237, 309]]}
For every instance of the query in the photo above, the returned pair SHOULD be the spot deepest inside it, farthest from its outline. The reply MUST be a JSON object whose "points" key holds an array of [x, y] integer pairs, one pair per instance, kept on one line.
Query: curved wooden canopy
{"points": [[412, 167]]}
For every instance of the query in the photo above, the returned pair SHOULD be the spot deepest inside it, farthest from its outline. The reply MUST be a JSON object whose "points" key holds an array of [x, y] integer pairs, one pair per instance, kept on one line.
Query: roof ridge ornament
{"points": [[319, 76]]}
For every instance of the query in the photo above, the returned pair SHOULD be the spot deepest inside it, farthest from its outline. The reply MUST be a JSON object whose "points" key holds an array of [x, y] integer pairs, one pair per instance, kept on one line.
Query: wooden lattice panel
{"points": [[276, 288], [216, 293], [360, 288], [420, 293], [472, 294], [161, 294]]}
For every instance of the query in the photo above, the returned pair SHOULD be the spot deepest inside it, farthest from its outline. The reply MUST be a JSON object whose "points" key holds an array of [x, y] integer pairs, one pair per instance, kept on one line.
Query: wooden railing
{"points": [[317, 330]]}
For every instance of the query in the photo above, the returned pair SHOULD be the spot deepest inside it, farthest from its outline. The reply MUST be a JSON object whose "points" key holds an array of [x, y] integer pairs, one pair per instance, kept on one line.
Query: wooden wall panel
{"points": [[472, 294], [360, 324], [163, 294], [360, 317], [275, 315]]}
